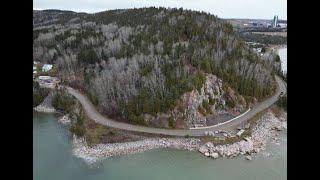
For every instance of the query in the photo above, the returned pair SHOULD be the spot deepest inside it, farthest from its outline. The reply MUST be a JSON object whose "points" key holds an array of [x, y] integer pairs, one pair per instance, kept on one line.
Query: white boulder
{"points": [[214, 155], [203, 149], [248, 158]]}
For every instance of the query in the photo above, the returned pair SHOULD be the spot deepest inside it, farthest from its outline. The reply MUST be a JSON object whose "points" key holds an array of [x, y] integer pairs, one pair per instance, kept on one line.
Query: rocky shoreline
{"points": [[266, 129], [44, 109], [102, 151]]}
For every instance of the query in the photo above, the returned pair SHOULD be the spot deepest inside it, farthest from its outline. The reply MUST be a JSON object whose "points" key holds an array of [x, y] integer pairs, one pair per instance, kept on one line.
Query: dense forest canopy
{"points": [[137, 61]]}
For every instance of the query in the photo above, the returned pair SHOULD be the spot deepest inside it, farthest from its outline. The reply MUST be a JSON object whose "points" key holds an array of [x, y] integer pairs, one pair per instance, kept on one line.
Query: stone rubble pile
{"points": [[266, 128], [65, 119], [41, 108]]}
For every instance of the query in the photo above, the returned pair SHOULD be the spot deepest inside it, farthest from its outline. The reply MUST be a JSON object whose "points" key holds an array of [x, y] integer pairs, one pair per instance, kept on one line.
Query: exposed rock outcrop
{"points": [[212, 88], [46, 106], [186, 114]]}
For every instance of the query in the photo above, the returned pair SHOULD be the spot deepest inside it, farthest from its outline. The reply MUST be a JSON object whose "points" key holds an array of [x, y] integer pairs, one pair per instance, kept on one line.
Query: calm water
{"points": [[52, 159], [283, 57]]}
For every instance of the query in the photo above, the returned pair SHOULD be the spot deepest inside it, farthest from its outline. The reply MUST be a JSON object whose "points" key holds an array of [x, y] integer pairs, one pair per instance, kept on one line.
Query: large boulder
{"points": [[248, 158], [214, 155], [203, 149], [209, 144]]}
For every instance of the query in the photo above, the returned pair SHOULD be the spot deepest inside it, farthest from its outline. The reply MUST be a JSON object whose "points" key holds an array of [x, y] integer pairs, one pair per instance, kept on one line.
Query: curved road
{"points": [[97, 117]]}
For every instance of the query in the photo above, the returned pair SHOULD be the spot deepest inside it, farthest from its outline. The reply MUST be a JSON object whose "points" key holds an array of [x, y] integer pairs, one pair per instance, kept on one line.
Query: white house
{"points": [[46, 67]]}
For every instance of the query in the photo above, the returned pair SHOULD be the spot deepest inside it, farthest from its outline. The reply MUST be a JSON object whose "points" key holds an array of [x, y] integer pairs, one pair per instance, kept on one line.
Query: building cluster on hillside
{"points": [[44, 81]]}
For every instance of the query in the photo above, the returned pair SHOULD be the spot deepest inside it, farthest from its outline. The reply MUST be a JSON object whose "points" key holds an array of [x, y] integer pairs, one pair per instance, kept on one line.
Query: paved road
{"points": [[97, 117]]}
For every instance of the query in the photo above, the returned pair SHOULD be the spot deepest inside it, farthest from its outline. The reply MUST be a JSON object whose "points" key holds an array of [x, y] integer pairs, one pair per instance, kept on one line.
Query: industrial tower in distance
{"points": [[275, 22]]}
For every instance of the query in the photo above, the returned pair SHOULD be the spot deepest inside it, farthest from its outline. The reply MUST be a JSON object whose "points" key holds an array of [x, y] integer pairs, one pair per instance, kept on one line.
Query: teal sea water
{"points": [[53, 160]]}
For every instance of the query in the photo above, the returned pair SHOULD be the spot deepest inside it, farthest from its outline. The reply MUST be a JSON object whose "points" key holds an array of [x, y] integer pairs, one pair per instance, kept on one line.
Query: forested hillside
{"points": [[137, 61]]}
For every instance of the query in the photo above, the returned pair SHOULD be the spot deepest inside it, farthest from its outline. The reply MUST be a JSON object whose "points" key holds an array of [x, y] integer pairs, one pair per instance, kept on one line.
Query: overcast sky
{"points": [[259, 9]]}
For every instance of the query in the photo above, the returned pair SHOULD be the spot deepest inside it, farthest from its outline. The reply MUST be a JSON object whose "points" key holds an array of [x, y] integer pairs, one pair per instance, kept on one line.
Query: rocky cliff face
{"points": [[191, 102], [188, 112]]}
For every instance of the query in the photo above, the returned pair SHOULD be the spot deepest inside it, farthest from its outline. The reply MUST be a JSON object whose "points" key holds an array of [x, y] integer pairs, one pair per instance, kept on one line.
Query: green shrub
{"points": [[93, 98], [137, 119], [206, 106], [202, 110], [198, 80], [282, 102], [88, 56], [230, 103], [171, 122], [212, 101], [39, 94], [77, 127], [63, 101]]}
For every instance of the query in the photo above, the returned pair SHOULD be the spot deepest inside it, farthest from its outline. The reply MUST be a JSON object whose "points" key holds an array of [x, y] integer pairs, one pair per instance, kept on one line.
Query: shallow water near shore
{"points": [[53, 159]]}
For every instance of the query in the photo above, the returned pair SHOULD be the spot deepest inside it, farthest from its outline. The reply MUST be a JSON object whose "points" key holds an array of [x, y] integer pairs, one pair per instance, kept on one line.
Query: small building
{"points": [[44, 78], [48, 81], [46, 67]]}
